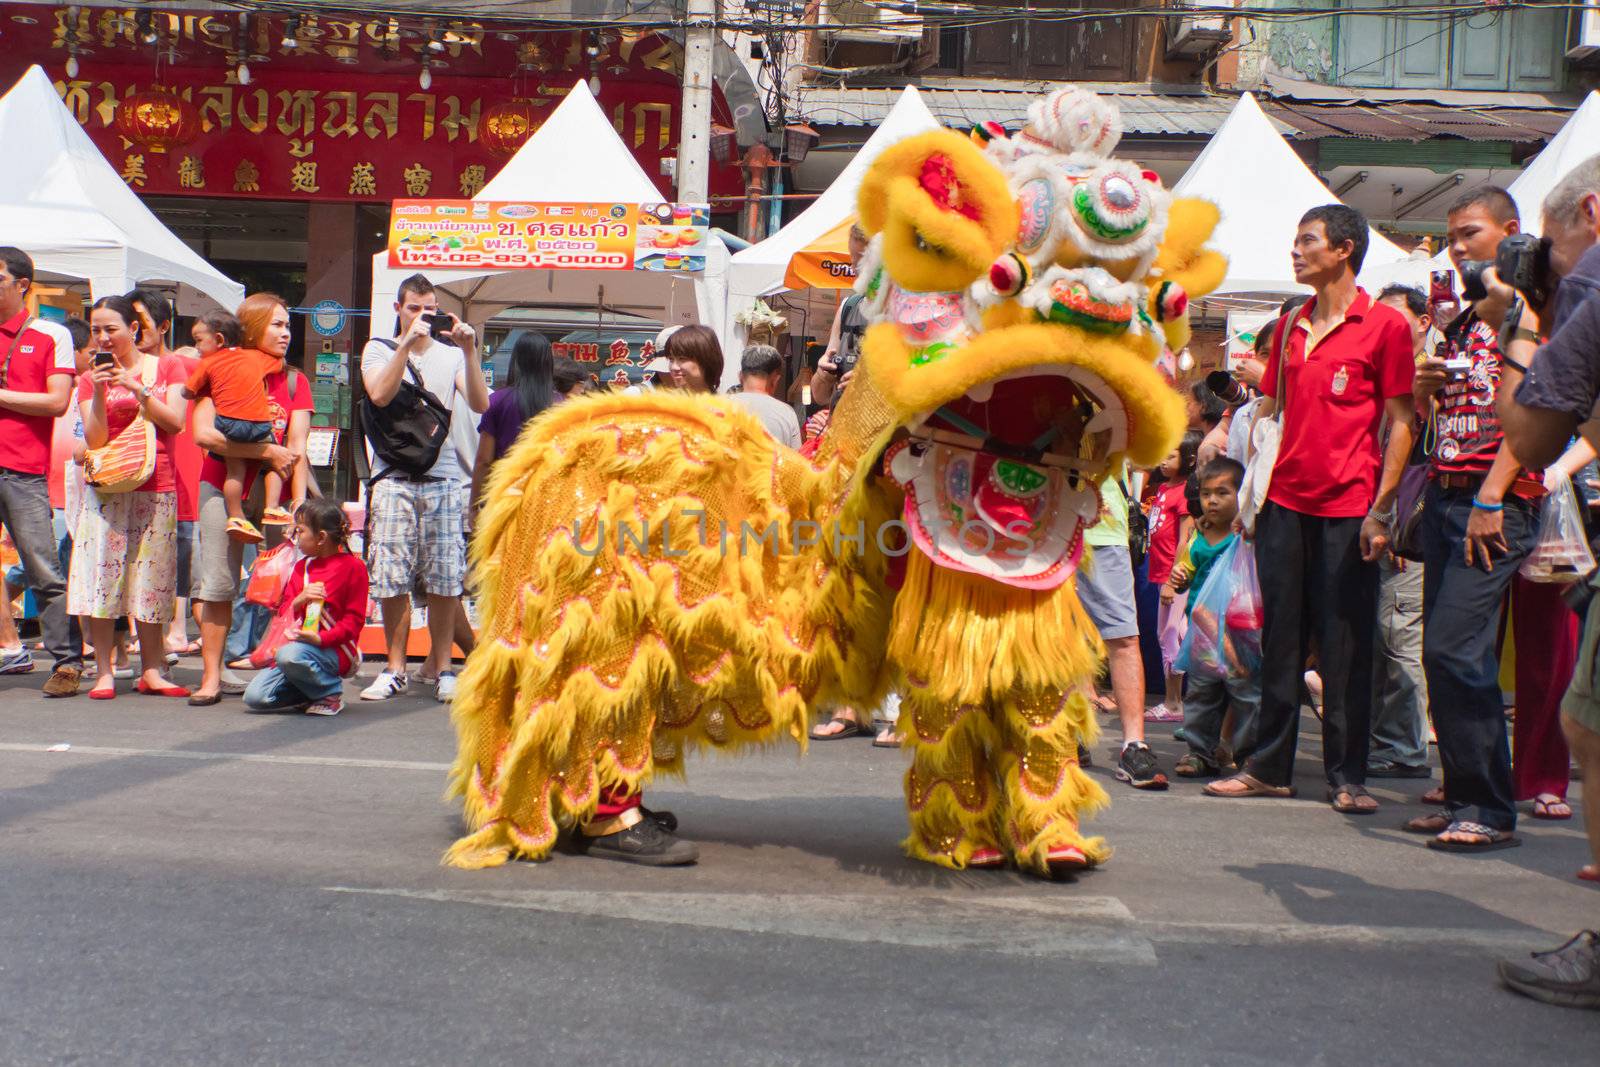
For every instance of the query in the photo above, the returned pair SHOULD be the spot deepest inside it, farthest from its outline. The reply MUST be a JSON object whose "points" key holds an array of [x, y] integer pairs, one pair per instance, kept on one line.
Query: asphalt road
{"points": [[182, 885]]}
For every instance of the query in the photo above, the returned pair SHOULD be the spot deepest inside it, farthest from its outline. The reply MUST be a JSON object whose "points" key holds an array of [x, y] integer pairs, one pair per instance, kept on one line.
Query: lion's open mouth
{"points": [[1003, 481]]}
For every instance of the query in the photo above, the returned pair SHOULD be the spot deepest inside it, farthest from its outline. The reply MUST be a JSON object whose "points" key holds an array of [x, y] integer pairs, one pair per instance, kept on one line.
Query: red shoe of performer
{"points": [[1067, 859], [985, 859]]}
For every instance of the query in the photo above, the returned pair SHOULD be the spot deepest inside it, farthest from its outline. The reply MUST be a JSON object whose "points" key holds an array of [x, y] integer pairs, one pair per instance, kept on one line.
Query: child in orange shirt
{"points": [[235, 380]]}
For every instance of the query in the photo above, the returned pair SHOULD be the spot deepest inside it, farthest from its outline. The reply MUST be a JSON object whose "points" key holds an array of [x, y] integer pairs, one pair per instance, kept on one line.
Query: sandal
{"points": [[1194, 765], [1433, 796], [886, 739], [1493, 840], [1547, 809], [847, 728], [1346, 799], [1435, 822], [1246, 785]]}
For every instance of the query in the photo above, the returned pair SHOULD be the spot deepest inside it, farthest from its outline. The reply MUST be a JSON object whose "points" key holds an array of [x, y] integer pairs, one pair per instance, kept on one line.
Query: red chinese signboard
{"points": [[343, 115]]}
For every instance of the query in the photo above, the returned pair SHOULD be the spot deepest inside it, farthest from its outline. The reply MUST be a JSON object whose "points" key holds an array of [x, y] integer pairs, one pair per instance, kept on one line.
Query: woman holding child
{"points": [[124, 551], [264, 327]]}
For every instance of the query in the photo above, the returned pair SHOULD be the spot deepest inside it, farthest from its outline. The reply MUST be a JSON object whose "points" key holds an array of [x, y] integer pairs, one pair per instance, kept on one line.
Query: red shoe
{"points": [[987, 858], [1589, 872], [1066, 858], [159, 690], [103, 694]]}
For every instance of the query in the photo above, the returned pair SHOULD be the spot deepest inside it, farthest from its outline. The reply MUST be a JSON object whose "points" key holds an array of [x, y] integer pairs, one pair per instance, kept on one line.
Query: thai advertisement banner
{"points": [[505, 235], [356, 111]]}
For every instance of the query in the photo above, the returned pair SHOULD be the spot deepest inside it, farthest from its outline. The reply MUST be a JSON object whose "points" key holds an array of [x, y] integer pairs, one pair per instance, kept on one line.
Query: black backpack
{"points": [[409, 431]]}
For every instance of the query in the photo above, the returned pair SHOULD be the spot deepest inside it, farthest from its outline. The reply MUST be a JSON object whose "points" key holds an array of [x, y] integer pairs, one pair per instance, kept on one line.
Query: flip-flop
{"points": [[891, 741], [851, 729], [1433, 823], [1433, 796], [1256, 788], [1497, 839], [1541, 809], [1355, 793]]}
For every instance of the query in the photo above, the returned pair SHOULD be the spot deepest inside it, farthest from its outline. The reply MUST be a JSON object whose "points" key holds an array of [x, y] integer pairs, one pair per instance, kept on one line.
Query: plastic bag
{"points": [[279, 631], [270, 576], [1561, 553], [1224, 638]]}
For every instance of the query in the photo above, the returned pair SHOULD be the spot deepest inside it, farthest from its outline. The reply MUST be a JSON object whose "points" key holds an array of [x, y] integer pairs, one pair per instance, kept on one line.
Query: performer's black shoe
{"points": [[664, 819], [640, 840]]}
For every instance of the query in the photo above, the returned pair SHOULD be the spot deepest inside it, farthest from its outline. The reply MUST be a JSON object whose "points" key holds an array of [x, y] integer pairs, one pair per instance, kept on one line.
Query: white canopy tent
{"points": [[1263, 189], [1575, 142], [63, 204], [575, 157], [758, 271]]}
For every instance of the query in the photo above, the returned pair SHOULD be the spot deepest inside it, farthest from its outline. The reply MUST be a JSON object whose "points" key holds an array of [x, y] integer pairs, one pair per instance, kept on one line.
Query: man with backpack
{"points": [[414, 501]]}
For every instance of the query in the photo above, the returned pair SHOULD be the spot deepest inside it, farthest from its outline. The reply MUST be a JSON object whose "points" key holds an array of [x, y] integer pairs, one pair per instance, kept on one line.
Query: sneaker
{"points": [[1568, 976], [646, 843], [1085, 759], [63, 683], [1138, 767], [16, 660], [445, 690], [276, 517], [387, 684], [326, 706], [1162, 713]]}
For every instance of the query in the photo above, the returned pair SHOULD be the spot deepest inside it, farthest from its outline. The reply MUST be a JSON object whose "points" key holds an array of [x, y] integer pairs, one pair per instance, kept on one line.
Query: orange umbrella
{"points": [[824, 263]]}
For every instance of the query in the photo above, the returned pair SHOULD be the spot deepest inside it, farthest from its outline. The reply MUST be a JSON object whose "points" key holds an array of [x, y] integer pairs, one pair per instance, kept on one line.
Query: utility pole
{"points": [[694, 135]]}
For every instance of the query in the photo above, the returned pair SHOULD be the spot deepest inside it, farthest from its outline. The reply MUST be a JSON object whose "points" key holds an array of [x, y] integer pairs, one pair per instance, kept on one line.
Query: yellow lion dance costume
{"points": [[658, 574]]}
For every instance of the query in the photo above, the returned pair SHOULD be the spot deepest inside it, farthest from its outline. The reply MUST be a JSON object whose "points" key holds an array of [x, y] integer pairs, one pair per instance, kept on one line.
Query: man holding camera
{"points": [[415, 519], [1549, 392], [1479, 522]]}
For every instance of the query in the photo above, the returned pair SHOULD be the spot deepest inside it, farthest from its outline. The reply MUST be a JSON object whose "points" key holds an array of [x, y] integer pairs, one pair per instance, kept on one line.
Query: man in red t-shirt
{"points": [[1341, 363], [35, 389]]}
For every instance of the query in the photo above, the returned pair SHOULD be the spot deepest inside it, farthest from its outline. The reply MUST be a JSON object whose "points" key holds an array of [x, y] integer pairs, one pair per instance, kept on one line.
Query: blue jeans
{"points": [[1460, 625], [303, 673], [25, 512], [249, 620]]}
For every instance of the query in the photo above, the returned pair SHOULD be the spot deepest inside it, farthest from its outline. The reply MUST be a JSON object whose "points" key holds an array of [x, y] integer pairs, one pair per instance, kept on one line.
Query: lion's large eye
{"points": [[1112, 207]]}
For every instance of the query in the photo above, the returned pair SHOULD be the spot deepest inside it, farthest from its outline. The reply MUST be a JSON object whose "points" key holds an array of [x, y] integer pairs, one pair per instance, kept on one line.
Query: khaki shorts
{"points": [[216, 560], [1582, 702]]}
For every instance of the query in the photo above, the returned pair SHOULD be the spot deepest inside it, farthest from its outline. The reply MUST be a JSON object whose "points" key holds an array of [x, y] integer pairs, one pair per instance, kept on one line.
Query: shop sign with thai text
{"points": [[505, 235]]}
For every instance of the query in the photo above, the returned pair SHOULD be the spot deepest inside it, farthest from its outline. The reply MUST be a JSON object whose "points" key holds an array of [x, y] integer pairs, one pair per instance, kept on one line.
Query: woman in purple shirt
{"points": [[528, 392]]}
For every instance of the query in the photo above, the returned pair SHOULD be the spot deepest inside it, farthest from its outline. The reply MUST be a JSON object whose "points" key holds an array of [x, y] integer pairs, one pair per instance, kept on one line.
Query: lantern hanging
{"points": [[157, 118], [506, 125]]}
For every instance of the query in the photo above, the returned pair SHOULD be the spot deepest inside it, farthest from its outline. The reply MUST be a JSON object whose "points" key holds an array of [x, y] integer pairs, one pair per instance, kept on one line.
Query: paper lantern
{"points": [[157, 118], [506, 125]]}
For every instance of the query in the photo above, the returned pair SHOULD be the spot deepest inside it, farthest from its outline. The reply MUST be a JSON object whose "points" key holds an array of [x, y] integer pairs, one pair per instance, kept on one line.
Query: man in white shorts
{"points": [[416, 520]]}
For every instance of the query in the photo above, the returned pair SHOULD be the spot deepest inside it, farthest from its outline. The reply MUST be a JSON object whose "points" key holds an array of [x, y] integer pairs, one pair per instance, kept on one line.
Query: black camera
{"points": [[1226, 388], [1522, 261], [440, 323]]}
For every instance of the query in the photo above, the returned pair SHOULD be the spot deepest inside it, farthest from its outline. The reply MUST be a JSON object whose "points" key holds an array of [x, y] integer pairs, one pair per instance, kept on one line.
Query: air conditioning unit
{"points": [[871, 24], [1586, 46], [1198, 35]]}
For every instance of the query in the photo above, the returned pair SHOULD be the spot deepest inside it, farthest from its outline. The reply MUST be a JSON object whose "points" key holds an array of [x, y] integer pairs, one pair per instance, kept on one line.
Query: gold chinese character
{"points": [[191, 173], [246, 178], [303, 177], [418, 178], [133, 170], [363, 182], [473, 177]]}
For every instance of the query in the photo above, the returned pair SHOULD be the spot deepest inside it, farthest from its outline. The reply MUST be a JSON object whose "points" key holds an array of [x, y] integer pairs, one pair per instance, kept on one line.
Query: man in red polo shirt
{"points": [[1343, 362], [36, 378]]}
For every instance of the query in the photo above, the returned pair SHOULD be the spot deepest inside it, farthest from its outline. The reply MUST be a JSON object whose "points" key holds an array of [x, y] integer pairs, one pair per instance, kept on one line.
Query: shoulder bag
{"points": [[1266, 437], [410, 430], [125, 462]]}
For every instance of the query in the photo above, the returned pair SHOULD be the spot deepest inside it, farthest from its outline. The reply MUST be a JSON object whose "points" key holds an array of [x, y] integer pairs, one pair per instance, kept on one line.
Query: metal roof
{"points": [[1145, 111], [1168, 111]]}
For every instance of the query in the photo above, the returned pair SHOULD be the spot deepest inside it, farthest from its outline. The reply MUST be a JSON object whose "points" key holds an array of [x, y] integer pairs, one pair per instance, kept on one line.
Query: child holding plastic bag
{"points": [[1222, 652]]}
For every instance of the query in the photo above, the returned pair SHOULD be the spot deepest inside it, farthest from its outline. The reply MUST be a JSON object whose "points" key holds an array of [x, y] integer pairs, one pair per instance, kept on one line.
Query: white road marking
{"points": [[1093, 928], [1097, 929], [233, 757]]}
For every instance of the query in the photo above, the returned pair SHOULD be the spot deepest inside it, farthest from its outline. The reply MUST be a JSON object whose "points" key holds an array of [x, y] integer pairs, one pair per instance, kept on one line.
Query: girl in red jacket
{"points": [[327, 597]]}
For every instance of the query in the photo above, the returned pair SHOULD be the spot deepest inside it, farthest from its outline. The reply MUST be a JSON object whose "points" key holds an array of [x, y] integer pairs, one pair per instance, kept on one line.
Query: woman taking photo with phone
{"points": [[125, 549]]}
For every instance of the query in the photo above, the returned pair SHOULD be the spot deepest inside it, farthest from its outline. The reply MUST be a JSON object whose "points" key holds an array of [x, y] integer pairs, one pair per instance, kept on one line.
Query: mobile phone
{"points": [[102, 359], [1442, 291]]}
